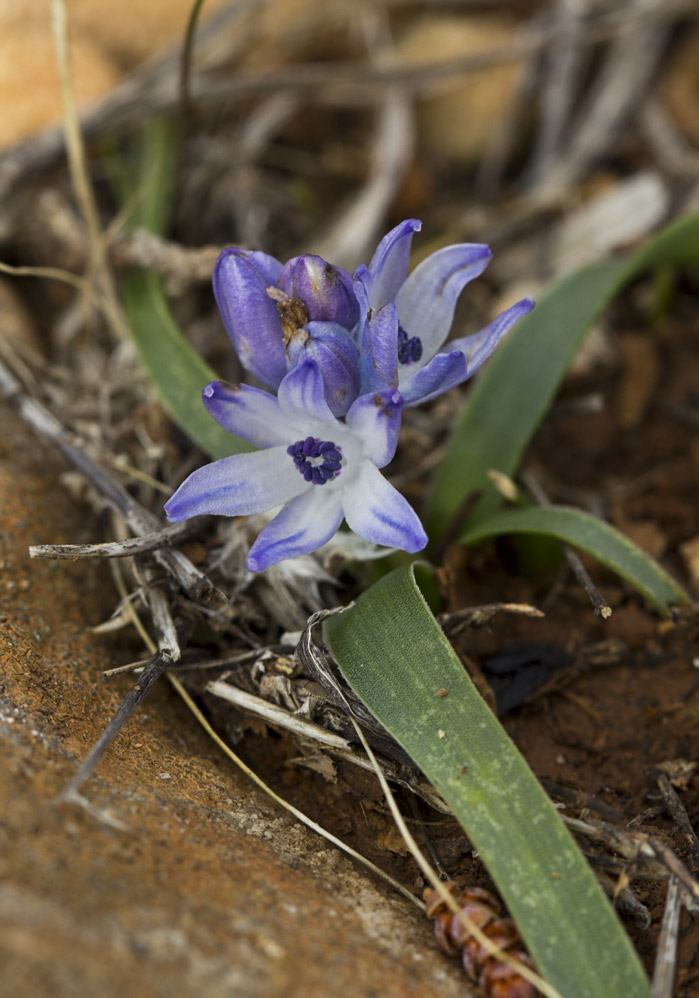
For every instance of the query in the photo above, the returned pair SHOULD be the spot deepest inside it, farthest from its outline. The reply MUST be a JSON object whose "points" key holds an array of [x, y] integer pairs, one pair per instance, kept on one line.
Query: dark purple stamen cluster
{"points": [[306, 452], [409, 347]]}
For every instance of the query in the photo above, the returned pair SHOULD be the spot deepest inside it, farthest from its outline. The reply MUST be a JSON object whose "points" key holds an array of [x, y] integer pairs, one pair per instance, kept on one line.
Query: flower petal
{"points": [[306, 523], [444, 371], [378, 364], [247, 412], [479, 346], [379, 513], [427, 299], [238, 485], [302, 395], [389, 265], [335, 352], [326, 291], [240, 281], [376, 420]]}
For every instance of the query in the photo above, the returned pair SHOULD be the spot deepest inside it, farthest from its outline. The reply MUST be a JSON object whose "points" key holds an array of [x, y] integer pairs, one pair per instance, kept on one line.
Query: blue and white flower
{"points": [[278, 316], [408, 351], [317, 468], [382, 328]]}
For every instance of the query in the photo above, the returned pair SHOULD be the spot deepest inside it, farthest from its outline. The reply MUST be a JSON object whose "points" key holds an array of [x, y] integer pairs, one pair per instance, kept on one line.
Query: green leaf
{"points": [[176, 369], [516, 387], [397, 659], [595, 537]]}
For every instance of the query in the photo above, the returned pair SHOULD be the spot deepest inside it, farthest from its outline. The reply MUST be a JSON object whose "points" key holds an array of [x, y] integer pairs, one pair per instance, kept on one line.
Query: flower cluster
{"points": [[344, 355]]}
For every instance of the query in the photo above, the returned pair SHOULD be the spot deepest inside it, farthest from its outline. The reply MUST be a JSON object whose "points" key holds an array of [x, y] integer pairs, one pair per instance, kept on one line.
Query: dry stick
{"points": [[168, 643], [478, 616], [180, 265], [273, 714], [168, 652], [599, 603], [71, 127], [113, 549], [98, 271], [625, 900], [679, 815], [214, 663], [666, 960], [150, 675], [657, 859], [131, 667], [427, 838]]}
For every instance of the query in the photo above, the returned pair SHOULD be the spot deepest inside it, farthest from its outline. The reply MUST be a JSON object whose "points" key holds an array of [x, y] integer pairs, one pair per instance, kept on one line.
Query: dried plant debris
{"points": [[495, 977]]}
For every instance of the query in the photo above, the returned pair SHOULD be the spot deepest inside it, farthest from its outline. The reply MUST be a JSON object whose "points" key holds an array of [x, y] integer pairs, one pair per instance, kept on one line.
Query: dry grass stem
{"points": [[273, 714]]}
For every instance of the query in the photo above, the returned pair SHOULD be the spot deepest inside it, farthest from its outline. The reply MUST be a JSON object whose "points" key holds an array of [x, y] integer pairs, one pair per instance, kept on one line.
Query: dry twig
{"points": [[679, 815], [599, 603], [478, 616], [666, 959], [114, 549]]}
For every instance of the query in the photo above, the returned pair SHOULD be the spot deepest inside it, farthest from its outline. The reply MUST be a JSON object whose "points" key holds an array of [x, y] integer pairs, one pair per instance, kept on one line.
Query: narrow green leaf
{"points": [[397, 659], [595, 537], [513, 392], [175, 367]]}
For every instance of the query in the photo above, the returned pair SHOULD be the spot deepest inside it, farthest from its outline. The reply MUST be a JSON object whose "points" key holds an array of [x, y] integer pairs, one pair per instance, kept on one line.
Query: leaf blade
{"points": [[395, 656], [595, 537], [177, 371]]}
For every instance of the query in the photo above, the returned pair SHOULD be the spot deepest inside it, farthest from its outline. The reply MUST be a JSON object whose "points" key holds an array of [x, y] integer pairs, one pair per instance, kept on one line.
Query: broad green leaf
{"points": [[516, 387], [178, 372], [397, 659], [595, 537]]}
